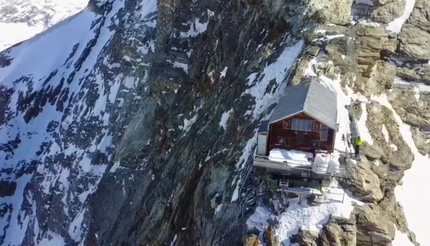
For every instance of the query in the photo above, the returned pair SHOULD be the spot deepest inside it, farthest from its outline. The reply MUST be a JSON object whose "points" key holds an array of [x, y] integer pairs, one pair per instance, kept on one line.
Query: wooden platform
{"points": [[284, 168]]}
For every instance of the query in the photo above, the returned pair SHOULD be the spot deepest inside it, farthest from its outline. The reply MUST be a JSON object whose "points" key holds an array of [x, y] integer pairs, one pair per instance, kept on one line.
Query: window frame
{"points": [[324, 132], [301, 138], [316, 142], [304, 125], [286, 124], [286, 141]]}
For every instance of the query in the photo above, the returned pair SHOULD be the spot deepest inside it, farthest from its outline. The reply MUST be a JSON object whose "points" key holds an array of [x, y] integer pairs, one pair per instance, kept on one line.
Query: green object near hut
{"points": [[273, 184]]}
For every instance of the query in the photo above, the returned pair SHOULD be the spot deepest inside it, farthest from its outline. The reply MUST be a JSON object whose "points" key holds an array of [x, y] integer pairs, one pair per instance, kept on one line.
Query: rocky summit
{"points": [[134, 122]]}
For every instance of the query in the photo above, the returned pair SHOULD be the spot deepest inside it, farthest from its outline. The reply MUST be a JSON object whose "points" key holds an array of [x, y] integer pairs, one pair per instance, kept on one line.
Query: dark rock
{"points": [[7, 188]]}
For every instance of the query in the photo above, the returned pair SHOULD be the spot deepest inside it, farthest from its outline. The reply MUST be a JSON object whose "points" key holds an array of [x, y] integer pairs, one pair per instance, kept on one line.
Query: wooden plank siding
{"points": [[282, 130]]}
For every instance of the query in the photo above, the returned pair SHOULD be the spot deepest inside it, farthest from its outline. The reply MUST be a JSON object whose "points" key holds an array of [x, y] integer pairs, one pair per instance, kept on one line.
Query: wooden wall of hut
{"points": [[282, 136]]}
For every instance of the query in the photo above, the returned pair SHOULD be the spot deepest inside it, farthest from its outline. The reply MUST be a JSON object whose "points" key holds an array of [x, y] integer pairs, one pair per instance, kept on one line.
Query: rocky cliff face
{"points": [[140, 131]]}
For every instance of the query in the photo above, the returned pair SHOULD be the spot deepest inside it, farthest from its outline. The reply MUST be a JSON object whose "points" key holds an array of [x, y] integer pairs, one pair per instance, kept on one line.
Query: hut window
{"points": [[302, 125], [300, 138], [283, 140], [317, 126], [286, 124], [316, 144], [324, 134]]}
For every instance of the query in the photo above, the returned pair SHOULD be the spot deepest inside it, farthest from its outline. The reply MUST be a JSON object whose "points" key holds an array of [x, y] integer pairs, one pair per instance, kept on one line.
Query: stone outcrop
{"points": [[415, 35], [387, 11], [373, 227], [252, 240], [269, 237], [363, 183], [378, 79], [7, 188], [393, 211], [421, 74], [370, 40], [339, 231], [414, 41], [333, 12], [422, 141], [411, 105], [305, 238]]}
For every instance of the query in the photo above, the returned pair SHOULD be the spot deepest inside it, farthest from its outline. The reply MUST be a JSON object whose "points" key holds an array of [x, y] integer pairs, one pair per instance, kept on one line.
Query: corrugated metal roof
{"points": [[312, 98], [264, 127]]}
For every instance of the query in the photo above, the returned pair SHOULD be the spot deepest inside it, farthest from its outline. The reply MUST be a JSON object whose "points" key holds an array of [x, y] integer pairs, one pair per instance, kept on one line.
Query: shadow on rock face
{"points": [[7, 188]]}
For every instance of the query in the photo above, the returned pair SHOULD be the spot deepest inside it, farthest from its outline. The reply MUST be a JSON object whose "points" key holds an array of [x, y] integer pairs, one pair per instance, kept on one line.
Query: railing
{"points": [[264, 162]]}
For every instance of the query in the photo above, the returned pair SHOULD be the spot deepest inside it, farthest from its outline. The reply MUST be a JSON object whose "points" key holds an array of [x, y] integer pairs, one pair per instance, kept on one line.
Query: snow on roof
{"points": [[312, 98]]}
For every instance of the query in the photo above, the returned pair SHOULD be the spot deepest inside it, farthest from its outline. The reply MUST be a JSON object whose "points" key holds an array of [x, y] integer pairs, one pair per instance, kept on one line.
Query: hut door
{"points": [[261, 144]]}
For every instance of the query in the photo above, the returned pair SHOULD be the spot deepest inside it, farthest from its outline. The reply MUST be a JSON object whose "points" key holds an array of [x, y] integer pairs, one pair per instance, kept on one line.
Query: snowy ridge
{"points": [[20, 19], [64, 133]]}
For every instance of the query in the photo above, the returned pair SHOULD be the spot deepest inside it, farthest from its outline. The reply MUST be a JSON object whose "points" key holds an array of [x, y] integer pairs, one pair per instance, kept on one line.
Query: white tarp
{"points": [[293, 157], [326, 163]]}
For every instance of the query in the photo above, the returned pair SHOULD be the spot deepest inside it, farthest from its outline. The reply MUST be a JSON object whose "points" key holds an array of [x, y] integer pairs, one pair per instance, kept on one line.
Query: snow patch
{"points": [[224, 72], [344, 128], [401, 239], [188, 123], [302, 216], [181, 65], [196, 28], [361, 124], [277, 71], [396, 25], [224, 119], [385, 133]]}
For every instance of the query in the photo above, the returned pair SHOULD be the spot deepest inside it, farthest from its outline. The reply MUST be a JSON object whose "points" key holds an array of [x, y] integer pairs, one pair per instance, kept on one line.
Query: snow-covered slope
{"points": [[55, 131], [22, 19]]}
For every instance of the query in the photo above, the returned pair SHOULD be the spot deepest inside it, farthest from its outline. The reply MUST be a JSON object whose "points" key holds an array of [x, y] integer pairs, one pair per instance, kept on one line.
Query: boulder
{"points": [[381, 77], [305, 238], [422, 141], [363, 183], [270, 238], [408, 74], [420, 15], [400, 158], [411, 105], [388, 11], [252, 240], [394, 211], [333, 12], [7, 188], [339, 232], [370, 41], [372, 152], [373, 226], [414, 41]]}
